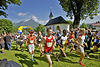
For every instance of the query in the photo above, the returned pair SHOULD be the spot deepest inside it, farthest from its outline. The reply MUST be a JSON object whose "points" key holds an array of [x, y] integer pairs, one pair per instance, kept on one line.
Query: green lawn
{"points": [[24, 59]]}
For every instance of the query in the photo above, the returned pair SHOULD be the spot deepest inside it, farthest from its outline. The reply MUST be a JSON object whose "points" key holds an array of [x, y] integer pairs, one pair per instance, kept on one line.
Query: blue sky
{"points": [[38, 10]]}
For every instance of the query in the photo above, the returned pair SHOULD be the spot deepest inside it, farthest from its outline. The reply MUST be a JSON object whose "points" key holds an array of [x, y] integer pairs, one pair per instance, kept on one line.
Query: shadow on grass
{"points": [[93, 56], [23, 56], [13, 48], [67, 60], [72, 55], [29, 63], [37, 51], [41, 58]]}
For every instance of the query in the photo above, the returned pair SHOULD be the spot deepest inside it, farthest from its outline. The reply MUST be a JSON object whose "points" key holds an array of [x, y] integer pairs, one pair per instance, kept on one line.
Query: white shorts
{"points": [[80, 49], [31, 47]]}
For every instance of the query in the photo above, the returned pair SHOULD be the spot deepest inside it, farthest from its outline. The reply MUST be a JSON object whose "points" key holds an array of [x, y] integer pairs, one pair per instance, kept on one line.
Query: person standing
{"points": [[89, 43], [2, 43], [8, 41]]}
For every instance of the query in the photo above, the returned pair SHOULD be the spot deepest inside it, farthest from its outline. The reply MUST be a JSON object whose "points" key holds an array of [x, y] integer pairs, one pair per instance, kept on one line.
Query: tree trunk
{"points": [[76, 22], [77, 14]]}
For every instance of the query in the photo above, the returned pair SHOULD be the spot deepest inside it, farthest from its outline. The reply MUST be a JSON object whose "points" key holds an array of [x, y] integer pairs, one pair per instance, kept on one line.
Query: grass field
{"points": [[24, 58]]}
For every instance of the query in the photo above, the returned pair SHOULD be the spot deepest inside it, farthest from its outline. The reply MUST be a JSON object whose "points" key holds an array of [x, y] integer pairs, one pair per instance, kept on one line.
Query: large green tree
{"points": [[80, 9], [4, 5], [6, 26], [39, 28]]}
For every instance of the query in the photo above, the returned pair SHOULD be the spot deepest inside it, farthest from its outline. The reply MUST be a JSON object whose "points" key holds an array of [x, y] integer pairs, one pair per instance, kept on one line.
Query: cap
{"points": [[31, 32]]}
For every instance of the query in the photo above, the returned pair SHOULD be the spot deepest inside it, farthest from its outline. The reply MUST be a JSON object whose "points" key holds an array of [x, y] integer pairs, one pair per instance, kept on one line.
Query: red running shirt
{"points": [[31, 40], [49, 44], [71, 38]]}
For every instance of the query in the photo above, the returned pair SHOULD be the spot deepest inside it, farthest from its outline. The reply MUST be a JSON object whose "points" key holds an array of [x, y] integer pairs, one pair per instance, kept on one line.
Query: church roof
{"points": [[57, 20]]}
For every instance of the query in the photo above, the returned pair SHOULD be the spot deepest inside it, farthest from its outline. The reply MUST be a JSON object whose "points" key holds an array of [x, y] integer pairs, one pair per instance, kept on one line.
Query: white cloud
{"points": [[22, 14], [37, 20]]}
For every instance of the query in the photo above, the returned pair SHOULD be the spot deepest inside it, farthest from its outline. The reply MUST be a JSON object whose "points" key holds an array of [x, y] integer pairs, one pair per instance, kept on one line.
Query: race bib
{"points": [[81, 43], [94, 40], [71, 40], [31, 41], [21, 40], [49, 44], [63, 42], [39, 39]]}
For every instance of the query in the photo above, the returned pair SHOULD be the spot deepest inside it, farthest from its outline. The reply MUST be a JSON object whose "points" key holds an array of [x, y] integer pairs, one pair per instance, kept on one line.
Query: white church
{"points": [[57, 23]]}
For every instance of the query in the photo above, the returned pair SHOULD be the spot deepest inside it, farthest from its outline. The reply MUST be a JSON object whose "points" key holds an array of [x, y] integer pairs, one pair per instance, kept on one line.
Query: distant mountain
{"points": [[27, 22]]}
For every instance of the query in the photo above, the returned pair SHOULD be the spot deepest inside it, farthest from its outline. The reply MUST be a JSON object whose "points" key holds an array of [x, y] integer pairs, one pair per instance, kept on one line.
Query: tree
{"points": [[80, 9], [83, 25], [71, 23], [6, 26], [15, 29], [4, 5], [39, 28]]}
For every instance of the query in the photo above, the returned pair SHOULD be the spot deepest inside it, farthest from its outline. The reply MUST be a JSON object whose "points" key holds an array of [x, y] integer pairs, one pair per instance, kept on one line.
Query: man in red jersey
{"points": [[50, 43], [31, 40]]}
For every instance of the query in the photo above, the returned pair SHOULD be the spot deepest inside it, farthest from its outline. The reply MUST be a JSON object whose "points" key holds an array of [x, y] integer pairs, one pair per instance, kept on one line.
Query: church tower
{"points": [[51, 15]]}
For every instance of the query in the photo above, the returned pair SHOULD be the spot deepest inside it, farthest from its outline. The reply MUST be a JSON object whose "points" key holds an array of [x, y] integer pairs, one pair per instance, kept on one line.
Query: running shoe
{"points": [[3, 52], [71, 52], [81, 63], [41, 54], [87, 55], [32, 59], [53, 53], [17, 48]]}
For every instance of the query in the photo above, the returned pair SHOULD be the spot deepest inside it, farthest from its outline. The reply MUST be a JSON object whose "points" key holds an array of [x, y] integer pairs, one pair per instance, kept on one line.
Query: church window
{"points": [[50, 27], [57, 27]]}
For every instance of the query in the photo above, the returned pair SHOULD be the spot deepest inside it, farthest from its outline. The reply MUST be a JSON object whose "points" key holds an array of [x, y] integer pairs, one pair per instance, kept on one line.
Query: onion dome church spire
{"points": [[51, 15]]}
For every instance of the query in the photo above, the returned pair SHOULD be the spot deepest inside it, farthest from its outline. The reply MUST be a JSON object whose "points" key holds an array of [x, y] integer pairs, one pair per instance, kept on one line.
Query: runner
{"points": [[96, 43], [39, 41], [49, 41], [80, 48], [21, 42], [70, 41], [58, 36], [62, 42], [17, 40], [25, 40], [31, 40]]}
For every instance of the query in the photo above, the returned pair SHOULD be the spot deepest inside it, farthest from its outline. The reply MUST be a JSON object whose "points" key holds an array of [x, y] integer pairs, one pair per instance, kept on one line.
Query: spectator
{"points": [[89, 43], [2, 43], [8, 41]]}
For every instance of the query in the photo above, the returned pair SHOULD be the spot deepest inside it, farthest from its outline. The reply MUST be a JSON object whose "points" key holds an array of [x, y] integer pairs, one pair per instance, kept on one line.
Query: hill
{"points": [[27, 22]]}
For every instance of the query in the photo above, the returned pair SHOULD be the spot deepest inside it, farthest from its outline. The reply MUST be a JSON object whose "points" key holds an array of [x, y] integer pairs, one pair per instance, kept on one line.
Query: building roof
{"points": [[57, 20], [95, 24]]}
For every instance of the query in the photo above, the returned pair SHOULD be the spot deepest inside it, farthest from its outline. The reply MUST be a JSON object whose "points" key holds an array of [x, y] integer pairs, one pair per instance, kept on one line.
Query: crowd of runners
{"points": [[78, 39]]}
